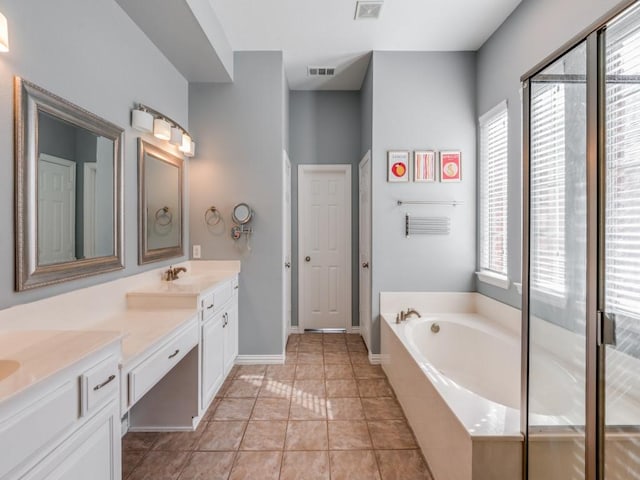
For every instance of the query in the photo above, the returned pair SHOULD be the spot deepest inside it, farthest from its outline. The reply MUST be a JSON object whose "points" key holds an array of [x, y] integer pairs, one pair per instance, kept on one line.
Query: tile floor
{"points": [[327, 414]]}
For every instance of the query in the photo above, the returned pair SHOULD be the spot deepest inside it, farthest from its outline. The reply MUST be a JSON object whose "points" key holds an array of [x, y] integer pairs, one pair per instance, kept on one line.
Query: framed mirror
{"points": [[241, 214], [159, 204], [68, 190]]}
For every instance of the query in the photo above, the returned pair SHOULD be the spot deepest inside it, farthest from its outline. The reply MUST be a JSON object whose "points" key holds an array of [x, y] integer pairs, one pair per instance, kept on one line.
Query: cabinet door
{"points": [[93, 452], [212, 358], [231, 336]]}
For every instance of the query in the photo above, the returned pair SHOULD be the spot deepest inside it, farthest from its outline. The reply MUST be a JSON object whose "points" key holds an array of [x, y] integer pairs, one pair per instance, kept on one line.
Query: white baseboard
{"points": [[124, 422], [259, 359], [355, 329], [375, 358], [293, 330]]}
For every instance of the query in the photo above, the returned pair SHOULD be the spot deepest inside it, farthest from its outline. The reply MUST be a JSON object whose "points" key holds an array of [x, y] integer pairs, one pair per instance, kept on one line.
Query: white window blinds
{"points": [[547, 189], [622, 237], [493, 190]]}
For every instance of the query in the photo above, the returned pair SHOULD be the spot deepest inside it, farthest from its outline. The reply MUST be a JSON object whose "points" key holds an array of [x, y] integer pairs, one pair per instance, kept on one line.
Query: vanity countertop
{"points": [[187, 285], [142, 330], [39, 354]]}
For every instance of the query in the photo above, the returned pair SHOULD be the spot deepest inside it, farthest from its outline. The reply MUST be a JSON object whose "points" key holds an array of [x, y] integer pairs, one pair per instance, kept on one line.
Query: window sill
{"points": [[500, 281]]}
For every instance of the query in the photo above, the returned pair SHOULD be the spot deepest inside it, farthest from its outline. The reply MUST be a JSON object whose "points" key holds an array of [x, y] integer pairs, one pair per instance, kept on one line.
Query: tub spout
{"points": [[411, 311]]}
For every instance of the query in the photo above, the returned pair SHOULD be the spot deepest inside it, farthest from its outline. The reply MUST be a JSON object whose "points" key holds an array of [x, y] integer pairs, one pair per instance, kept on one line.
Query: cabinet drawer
{"points": [[223, 293], [151, 370], [208, 306], [27, 432], [98, 384]]}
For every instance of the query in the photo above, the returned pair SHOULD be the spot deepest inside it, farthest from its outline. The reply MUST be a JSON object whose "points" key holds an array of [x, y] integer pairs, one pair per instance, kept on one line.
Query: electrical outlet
{"points": [[196, 251]]}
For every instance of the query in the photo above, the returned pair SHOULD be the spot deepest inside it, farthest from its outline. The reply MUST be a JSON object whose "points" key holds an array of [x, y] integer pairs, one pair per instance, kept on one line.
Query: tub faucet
{"points": [[411, 311], [172, 273]]}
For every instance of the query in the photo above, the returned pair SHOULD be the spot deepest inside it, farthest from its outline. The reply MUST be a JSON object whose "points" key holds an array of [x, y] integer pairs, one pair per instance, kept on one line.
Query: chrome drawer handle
{"points": [[210, 307], [107, 381], [174, 353]]}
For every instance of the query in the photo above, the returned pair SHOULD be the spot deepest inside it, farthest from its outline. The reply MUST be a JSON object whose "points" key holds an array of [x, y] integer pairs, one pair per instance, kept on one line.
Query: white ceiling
{"points": [[325, 33]]}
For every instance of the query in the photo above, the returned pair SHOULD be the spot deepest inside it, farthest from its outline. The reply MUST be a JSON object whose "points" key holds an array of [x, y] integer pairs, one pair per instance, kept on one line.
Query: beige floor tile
{"points": [[271, 409], [308, 407], [359, 358], [305, 466], [339, 371], [264, 435], [383, 408], [234, 409], [354, 465], [160, 466], [291, 358], [310, 348], [342, 388], [337, 358], [293, 338], [357, 347], [309, 372], [139, 440], [256, 465], [309, 387], [208, 466], [306, 435], [378, 387], [312, 358], [402, 465], [311, 338], [249, 371], [281, 372], [275, 388], [222, 436], [368, 371], [292, 348], [349, 435], [244, 387], [391, 434], [179, 441], [334, 347], [344, 409], [334, 338], [130, 460]]}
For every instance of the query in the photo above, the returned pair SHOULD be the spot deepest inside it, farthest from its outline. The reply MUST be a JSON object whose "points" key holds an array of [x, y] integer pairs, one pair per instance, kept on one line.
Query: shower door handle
{"points": [[607, 326]]}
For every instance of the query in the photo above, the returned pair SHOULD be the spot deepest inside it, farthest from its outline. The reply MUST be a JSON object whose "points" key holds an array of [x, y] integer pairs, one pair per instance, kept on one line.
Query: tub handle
{"points": [[435, 328]]}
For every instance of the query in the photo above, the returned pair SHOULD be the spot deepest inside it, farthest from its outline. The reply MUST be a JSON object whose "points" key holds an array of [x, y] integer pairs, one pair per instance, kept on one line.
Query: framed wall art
{"points": [[450, 166], [397, 166], [424, 166]]}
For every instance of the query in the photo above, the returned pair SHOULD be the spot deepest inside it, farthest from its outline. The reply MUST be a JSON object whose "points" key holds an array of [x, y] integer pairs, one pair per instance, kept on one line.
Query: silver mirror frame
{"points": [[244, 220], [144, 254], [28, 100]]}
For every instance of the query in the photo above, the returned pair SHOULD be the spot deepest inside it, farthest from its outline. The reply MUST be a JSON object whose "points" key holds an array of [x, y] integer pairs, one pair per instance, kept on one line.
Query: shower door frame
{"points": [[595, 158]]}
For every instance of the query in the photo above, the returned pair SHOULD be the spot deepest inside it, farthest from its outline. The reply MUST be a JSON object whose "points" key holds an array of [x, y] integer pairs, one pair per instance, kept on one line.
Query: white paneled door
{"points": [[364, 247], [324, 246]]}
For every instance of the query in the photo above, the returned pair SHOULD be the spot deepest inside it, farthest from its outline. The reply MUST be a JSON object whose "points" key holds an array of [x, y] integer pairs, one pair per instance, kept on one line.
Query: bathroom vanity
{"points": [[71, 378]]}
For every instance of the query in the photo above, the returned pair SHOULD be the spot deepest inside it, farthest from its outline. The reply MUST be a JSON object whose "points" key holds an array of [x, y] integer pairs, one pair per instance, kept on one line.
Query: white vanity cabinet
{"points": [[66, 426], [219, 347]]}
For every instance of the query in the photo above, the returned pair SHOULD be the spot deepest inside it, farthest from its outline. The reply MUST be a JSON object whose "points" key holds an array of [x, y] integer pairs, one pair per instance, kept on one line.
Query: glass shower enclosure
{"points": [[581, 270]]}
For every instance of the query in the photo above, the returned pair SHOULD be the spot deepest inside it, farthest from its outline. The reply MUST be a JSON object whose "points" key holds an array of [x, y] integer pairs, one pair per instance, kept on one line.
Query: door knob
{"points": [[287, 264], [365, 265], [307, 258]]}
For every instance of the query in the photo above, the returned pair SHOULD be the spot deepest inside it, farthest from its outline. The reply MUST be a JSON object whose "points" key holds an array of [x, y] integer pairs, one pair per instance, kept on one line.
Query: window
{"points": [[493, 193], [622, 238], [547, 196]]}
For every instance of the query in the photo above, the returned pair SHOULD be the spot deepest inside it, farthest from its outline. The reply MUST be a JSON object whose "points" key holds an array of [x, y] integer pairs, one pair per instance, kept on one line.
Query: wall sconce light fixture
{"points": [[148, 120], [4, 34]]}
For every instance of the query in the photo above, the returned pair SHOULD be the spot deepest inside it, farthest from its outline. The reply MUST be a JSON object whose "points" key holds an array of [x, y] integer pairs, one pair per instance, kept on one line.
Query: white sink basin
{"points": [[7, 367]]}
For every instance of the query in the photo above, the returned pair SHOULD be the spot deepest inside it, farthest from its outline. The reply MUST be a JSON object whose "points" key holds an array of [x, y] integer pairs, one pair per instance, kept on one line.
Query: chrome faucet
{"points": [[172, 273], [402, 316]]}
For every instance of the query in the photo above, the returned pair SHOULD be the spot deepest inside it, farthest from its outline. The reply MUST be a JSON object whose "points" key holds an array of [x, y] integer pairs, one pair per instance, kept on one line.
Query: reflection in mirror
{"points": [[160, 195], [68, 190], [75, 194]]}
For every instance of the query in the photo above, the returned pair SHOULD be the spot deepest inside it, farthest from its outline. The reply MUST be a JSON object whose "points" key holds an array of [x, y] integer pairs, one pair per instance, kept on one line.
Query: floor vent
{"points": [[368, 10], [321, 71]]}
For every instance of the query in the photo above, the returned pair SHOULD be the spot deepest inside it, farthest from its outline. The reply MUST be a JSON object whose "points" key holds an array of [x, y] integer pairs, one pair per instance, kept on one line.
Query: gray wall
{"points": [[325, 129], [511, 51], [240, 141], [92, 54], [422, 101]]}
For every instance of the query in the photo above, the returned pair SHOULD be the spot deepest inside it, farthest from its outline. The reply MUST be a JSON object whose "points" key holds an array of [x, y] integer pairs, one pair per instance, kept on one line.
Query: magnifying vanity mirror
{"points": [[160, 204], [68, 187], [241, 214]]}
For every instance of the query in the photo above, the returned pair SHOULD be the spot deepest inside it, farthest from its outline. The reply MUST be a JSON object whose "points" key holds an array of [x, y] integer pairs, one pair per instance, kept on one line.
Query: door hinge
{"points": [[607, 327]]}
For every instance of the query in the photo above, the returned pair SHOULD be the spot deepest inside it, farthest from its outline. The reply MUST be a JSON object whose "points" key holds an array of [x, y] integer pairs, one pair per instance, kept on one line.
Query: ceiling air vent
{"points": [[321, 71], [368, 10]]}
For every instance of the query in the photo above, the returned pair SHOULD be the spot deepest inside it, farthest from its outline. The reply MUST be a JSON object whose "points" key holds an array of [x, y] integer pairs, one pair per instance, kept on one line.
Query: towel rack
{"points": [[426, 225], [452, 203]]}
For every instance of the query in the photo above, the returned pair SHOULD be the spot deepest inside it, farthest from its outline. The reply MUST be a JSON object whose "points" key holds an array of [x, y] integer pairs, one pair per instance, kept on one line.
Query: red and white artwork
{"points": [[424, 166], [450, 166], [397, 166]]}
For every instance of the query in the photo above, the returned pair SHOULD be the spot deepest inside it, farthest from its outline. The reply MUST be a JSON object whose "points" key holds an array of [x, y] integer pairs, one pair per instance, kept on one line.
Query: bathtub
{"points": [[456, 374]]}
